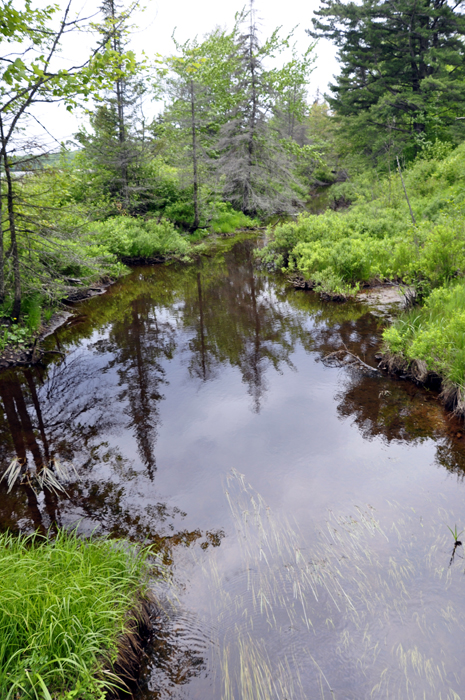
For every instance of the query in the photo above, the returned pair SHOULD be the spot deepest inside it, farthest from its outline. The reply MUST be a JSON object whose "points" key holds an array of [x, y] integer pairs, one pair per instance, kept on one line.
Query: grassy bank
{"points": [[64, 607], [375, 240], [102, 254], [429, 342]]}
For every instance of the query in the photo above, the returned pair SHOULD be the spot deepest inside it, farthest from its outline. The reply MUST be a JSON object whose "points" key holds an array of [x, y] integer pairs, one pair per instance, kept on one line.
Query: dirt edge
{"points": [[132, 647]]}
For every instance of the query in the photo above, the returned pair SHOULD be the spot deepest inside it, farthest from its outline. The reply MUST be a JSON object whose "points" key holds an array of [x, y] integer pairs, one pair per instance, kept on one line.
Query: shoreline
{"points": [[14, 356]]}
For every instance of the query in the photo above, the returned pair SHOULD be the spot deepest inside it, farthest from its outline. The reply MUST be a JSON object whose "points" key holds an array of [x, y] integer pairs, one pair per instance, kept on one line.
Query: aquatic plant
{"points": [[455, 534], [51, 476], [308, 617]]}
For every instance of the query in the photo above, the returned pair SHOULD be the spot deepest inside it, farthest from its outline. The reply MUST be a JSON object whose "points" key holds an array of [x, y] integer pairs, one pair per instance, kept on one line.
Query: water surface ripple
{"points": [[302, 508]]}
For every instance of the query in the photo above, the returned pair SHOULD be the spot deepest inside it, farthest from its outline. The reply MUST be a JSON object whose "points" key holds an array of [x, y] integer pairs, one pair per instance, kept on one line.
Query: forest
{"points": [[360, 187]]}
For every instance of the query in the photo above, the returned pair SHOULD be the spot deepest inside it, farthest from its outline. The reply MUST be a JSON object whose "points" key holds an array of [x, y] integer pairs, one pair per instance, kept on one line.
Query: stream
{"points": [[302, 509]]}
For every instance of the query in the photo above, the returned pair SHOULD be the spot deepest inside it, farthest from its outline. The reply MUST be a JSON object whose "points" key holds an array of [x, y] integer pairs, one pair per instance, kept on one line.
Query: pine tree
{"points": [[403, 66], [115, 151]]}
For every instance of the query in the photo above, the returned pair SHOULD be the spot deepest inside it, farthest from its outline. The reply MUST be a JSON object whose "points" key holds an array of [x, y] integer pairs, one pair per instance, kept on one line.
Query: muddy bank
{"points": [[450, 395], [133, 645]]}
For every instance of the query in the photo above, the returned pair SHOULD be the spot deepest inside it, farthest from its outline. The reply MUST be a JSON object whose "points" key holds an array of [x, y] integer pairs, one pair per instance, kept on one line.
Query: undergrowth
{"points": [[434, 334], [63, 606], [375, 239], [128, 237]]}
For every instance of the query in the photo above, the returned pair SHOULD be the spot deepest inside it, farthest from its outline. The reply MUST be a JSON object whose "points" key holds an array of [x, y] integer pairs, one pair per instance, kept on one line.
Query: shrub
{"points": [[226, 219], [127, 237], [434, 333]]}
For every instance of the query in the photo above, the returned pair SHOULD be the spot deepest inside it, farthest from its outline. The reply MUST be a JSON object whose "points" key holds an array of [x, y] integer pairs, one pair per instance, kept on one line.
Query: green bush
{"points": [[181, 213], [63, 606], [226, 219], [375, 238], [127, 237]]}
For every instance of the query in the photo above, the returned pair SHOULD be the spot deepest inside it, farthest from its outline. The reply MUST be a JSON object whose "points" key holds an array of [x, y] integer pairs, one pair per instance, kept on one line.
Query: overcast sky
{"points": [[155, 26]]}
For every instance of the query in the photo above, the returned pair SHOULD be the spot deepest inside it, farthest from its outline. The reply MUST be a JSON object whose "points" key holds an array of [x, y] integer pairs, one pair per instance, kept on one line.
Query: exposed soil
{"points": [[132, 646]]}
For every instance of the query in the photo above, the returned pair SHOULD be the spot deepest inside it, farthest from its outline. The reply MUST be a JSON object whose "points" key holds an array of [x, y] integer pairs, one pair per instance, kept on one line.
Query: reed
{"points": [[65, 605]]}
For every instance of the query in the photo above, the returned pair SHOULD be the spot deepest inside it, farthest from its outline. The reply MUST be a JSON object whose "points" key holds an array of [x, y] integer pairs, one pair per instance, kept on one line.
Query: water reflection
{"points": [[179, 374]]}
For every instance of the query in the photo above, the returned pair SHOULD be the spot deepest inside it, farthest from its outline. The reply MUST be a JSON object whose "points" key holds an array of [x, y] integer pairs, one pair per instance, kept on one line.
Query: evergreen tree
{"points": [[402, 67], [256, 167], [197, 83], [117, 149]]}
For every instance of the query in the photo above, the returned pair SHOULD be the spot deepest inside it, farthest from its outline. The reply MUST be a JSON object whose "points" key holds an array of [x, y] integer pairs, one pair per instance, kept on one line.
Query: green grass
{"points": [[375, 238], [63, 606], [434, 334]]}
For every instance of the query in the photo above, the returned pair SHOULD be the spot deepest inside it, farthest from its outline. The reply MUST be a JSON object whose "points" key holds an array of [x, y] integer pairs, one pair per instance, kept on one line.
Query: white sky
{"points": [[191, 18]]}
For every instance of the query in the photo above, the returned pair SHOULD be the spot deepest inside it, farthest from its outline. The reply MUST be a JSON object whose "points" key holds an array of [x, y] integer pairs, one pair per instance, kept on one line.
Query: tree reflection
{"points": [[67, 415], [237, 320], [380, 406]]}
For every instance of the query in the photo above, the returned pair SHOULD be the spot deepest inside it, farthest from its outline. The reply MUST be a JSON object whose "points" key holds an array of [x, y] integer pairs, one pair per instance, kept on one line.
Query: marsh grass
{"points": [[321, 617], [64, 606], [435, 336]]}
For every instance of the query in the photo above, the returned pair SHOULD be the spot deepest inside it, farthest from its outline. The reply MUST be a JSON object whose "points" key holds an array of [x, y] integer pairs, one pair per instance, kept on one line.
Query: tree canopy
{"points": [[402, 65]]}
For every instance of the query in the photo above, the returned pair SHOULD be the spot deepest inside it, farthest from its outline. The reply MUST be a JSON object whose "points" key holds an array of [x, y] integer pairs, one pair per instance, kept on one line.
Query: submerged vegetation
{"points": [[66, 605]]}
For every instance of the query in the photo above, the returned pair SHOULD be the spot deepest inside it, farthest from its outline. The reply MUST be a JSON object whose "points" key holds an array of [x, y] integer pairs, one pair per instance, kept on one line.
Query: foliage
{"points": [[64, 605], [402, 71], [374, 239], [128, 237], [225, 219], [256, 167], [434, 334]]}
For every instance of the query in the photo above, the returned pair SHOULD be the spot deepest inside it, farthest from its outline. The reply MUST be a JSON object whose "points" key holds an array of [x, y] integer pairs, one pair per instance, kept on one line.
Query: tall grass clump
{"points": [[128, 237], [434, 335], [64, 604]]}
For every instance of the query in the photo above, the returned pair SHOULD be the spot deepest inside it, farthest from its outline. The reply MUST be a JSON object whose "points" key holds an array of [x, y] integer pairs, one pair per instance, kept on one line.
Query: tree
{"points": [[402, 67], [197, 82], [255, 165], [116, 150], [291, 107], [35, 74]]}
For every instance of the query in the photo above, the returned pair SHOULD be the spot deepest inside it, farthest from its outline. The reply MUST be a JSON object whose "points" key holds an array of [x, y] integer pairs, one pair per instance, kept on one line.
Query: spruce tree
{"points": [[116, 150], [403, 66], [256, 168]]}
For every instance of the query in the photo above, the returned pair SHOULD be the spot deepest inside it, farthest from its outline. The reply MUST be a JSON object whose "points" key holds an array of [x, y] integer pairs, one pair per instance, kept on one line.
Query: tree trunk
{"points": [[16, 311], [2, 252], [12, 228], [119, 90], [247, 204], [194, 157]]}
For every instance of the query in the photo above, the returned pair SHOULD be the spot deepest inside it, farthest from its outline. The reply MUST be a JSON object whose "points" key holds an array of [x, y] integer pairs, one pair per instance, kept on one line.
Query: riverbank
{"points": [[74, 615], [20, 345], [383, 238]]}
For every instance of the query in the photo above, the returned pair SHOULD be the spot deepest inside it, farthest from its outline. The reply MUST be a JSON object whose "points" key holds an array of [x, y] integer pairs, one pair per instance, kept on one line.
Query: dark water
{"points": [[302, 509]]}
